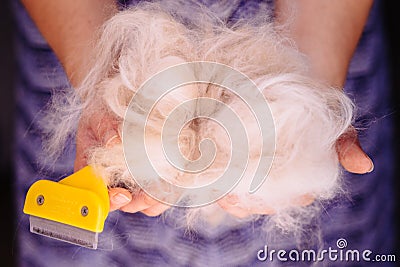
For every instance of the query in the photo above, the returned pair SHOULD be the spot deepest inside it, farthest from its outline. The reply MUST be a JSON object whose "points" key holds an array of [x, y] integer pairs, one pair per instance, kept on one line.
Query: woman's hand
{"points": [[351, 156], [122, 199], [328, 38], [99, 129]]}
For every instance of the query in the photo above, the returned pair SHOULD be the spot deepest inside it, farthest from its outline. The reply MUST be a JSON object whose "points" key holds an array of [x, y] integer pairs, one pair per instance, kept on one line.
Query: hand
{"points": [[351, 156], [99, 129], [230, 204], [122, 199]]}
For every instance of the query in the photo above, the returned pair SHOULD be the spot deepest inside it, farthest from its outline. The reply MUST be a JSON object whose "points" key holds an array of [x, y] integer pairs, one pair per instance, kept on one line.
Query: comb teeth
{"points": [[63, 232]]}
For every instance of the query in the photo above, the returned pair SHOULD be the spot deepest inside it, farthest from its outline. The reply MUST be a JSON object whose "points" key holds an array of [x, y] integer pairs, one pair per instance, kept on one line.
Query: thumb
{"points": [[119, 197], [351, 155]]}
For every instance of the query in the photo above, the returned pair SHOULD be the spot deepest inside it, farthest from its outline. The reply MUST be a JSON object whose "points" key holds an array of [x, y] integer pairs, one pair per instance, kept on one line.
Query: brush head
{"points": [[72, 210], [63, 232]]}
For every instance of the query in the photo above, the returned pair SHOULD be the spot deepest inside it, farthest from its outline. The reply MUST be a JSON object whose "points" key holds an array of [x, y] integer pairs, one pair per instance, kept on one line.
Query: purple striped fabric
{"points": [[364, 220]]}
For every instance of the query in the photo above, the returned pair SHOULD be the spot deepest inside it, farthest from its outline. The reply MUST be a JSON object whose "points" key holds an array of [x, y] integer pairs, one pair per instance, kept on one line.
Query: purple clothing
{"points": [[365, 220]]}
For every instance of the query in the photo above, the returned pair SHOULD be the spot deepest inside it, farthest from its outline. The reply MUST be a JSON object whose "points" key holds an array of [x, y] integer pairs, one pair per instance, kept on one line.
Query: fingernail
{"points": [[112, 141], [372, 165], [120, 199]]}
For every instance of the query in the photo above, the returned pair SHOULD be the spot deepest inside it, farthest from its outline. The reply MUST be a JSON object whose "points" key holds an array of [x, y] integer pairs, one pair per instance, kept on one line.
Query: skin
{"points": [[326, 31]]}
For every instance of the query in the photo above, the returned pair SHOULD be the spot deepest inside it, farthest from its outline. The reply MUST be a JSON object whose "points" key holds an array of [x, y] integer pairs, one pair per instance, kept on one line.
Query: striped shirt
{"points": [[364, 220]]}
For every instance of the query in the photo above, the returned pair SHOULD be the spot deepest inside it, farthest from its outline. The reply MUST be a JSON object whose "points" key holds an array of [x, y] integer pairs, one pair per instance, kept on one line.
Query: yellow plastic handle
{"points": [[80, 200]]}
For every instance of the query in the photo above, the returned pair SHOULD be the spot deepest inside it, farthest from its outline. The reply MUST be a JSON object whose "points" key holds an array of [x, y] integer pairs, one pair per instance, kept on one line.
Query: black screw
{"points": [[84, 211], [40, 200]]}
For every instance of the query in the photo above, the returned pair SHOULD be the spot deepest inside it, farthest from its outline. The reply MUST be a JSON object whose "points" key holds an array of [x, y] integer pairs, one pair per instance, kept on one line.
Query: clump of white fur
{"points": [[309, 116]]}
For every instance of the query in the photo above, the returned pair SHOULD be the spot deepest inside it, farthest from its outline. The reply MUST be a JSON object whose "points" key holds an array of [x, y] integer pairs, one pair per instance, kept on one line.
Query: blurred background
{"points": [[7, 224]]}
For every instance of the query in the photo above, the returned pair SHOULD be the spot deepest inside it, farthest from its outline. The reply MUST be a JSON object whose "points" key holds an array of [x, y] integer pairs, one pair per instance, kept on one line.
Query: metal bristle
{"points": [[63, 232]]}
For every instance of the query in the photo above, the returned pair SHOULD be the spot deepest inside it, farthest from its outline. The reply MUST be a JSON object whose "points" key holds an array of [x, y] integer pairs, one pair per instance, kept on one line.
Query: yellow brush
{"points": [[72, 210]]}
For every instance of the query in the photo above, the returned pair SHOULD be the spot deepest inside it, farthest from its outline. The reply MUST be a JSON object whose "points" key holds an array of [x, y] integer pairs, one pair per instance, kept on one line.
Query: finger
{"points": [[119, 197], [304, 200], [230, 204], [139, 202], [351, 155], [114, 140], [234, 210], [156, 209], [262, 210]]}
